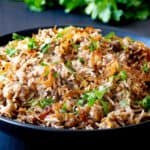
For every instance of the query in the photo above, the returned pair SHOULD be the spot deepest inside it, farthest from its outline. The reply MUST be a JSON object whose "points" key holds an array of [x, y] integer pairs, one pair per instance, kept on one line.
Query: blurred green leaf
{"points": [[36, 5], [103, 10]]}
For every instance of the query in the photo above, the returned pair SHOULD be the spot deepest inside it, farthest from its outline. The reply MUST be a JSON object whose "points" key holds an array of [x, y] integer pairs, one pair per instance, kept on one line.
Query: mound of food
{"points": [[75, 78]]}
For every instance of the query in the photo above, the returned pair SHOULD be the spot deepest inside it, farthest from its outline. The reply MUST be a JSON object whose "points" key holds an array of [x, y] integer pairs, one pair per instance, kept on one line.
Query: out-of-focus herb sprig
{"points": [[103, 10]]}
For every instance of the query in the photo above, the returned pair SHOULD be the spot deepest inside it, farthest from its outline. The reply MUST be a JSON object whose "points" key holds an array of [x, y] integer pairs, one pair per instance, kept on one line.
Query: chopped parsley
{"points": [[59, 35], [33, 102], [80, 102], [76, 46], [145, 103], [46, 73], [110, 35], [75, 112], [45, 102], [16, 36], [68, 64], [105, 107], [64, 108], [43, 64], [32, 44], [91, 101], [145, 68], [44, 48], [101, 92], [56, 62], [123, 75], [93, 46], [11, 51], [55, 75], [91, 97], [81, 60], [124, 47]]}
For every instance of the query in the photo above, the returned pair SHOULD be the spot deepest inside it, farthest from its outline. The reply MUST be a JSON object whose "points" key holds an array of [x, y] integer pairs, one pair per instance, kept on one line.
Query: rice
{"points": [[75, 78]]}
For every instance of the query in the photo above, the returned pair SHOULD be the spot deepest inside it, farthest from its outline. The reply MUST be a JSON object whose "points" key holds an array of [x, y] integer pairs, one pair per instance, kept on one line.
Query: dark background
{"points": [[15, 16]]}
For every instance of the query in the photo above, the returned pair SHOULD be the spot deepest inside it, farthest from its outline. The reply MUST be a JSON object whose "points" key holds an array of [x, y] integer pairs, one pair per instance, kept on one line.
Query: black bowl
{"points": [[38, 135]]}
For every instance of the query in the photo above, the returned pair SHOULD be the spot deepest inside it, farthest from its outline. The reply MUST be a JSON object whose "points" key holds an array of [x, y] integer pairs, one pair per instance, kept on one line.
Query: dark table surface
{"points": [[15, 16]]}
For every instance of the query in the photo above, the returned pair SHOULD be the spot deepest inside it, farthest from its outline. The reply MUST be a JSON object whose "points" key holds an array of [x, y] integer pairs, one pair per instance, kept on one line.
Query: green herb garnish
{"points": [[80, 102], [124, 47], [11, 51], [43, 64], [93, 46], [32, 44], [123, 75], [33, 102], [76, 46], [56, 62], [16, 36], [75, 112], [145, 68], [145, 102], [110, 35], [59, 35], [102, 10], [105, 107], [91, 97], [81, 60], [68, 64], [44, 48], [55, 75], [46, 73], [45, 102], [91, 101], [64, 108], [101, 92]]}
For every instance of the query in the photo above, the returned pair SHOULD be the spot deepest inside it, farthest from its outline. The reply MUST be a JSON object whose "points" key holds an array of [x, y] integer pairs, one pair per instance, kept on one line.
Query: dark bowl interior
{"points": [[33, 133]]}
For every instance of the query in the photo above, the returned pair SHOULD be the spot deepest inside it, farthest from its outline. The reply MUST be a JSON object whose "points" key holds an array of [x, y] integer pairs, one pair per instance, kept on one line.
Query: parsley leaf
{"points": [[76, 46], [44, 48], [110, 35], [43, 64], [11, 51], [123, 75], [105, 107], [16, 36], [36, 5], [68, 64], [55, 75], [45, 102], [32, 44], [91, 97], [32, 102], [103, 10], [145, 68], [80, 102], [71, 4], [81, 60], [64, 108], [93, 46], [145, 102], [59, 35]]}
